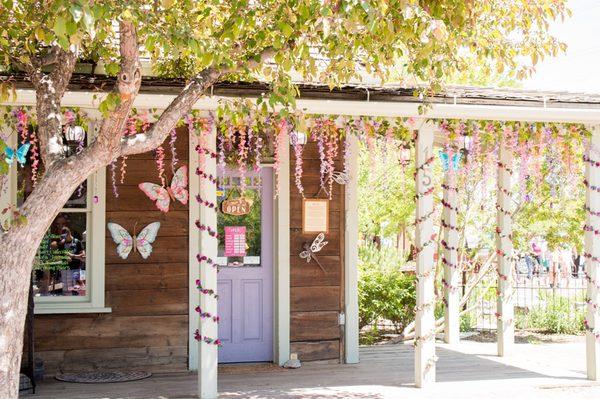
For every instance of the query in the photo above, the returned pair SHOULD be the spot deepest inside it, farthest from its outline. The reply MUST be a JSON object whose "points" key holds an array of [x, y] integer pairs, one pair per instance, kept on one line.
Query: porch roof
{"points": [[453, 94], [456, 102]]}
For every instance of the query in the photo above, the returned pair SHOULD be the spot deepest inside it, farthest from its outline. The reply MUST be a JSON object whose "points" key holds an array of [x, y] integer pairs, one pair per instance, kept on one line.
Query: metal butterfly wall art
{"points": [[340, 177], [310, 250], [139, 243], [163, 195]]}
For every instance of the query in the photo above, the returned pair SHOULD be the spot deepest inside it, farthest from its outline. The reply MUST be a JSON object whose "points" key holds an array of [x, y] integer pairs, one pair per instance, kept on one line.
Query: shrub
{"points": [[384, 292], [558, 315]]}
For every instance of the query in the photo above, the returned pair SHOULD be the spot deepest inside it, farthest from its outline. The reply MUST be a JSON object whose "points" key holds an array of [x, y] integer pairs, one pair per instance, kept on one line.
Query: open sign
{"points": [[236, 206]]}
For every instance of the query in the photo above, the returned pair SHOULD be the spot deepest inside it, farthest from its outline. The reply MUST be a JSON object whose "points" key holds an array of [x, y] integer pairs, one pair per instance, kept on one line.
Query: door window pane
{"points": [[60, 264], [239, 236]]}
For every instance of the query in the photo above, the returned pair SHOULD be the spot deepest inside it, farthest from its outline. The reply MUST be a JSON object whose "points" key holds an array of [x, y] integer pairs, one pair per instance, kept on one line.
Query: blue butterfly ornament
{"points": [[445, 158], [19, 154]]}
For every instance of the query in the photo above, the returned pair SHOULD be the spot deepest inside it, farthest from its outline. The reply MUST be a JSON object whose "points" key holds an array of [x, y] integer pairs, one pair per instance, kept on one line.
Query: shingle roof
{"points": [[358, 92]]}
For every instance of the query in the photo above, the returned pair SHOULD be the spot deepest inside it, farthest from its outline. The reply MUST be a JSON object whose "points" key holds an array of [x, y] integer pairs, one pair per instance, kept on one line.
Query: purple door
{"points": [[245, 280]]}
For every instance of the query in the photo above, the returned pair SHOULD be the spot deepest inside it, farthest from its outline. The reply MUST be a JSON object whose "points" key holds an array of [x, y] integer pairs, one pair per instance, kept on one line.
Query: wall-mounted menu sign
{"points": [[235, 240], [315, 216]]}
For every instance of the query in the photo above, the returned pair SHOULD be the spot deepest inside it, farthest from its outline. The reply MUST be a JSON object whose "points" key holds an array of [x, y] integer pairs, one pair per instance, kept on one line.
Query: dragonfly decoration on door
{"points": [[310, 250]]}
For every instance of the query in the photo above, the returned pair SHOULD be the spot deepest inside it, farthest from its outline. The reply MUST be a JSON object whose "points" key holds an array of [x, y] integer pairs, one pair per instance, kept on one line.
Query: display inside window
{"points": [[239, 222], [60, 263]]}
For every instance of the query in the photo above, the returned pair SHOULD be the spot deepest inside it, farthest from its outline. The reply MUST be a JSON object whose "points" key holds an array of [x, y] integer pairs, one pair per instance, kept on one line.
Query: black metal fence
{"points": [[550, 302]]}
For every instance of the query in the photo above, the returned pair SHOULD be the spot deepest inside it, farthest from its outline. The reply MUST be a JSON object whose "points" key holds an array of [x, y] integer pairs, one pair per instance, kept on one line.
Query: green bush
{"points": [[384, 292], [558, 315]]}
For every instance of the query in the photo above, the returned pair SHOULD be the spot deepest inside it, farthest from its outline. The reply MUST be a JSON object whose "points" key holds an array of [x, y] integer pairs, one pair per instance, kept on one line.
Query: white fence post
{"points": [[504, 250], [450, 257], [207, 327], [592, 254], [425, 321]]}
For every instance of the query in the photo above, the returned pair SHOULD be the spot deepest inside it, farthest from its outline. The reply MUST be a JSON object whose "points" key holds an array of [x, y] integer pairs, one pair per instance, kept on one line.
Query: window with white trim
{"points": [[68, 271]]}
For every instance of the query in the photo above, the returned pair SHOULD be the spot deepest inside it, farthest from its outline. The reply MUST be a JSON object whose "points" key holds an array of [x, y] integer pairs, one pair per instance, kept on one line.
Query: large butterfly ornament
{"points": [[445, 158], [19, 154], [140, 243], [310, 251], [163, 196]]}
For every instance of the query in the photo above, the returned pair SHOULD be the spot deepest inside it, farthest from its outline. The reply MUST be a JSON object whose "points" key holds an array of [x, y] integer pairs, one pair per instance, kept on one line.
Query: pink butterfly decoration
{"points": [[163, 195]]}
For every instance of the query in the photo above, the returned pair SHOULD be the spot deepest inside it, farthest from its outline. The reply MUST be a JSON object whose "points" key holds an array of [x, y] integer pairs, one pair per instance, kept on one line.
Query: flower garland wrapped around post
{"points": [[202, 127], [591, 260]]}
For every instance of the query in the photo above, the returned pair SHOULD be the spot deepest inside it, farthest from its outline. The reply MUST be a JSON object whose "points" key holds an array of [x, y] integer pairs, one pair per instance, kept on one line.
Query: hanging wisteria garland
{"points": [[247, 137]]}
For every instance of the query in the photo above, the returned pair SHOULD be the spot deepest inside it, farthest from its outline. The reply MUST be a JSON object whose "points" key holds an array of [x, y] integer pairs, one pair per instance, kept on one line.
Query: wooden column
{"points": [[592, 255], [504, 250], [207, 328], [450, 258], [281, 229], [351, 330], [424, 242]]}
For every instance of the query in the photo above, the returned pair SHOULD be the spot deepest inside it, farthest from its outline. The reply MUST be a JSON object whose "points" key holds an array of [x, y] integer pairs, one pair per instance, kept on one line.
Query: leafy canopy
{"points": [[313, 40]]}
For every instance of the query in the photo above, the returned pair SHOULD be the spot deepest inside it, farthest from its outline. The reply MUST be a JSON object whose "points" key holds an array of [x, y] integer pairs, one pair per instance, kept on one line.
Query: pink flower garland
{"points": [[34, 157], [242, 156], [159, 157], [298, 150], [123, 168], [172, 140], [113, 176], [281, 129]]}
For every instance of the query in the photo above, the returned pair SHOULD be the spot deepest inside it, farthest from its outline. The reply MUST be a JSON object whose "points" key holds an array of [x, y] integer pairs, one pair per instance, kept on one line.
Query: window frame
{"points": [[93, 302]]}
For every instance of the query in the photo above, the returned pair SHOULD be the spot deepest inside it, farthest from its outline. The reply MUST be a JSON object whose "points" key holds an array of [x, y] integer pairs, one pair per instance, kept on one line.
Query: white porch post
{"points": [[281, 229], [592, 256], [424, 242], [450, 258], [504, 250], [351, 329], [208, 352]]}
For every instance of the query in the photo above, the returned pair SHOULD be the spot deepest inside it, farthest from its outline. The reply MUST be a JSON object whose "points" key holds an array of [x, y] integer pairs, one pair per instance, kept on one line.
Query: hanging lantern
{"points": [[75, 134], [404, 155]]}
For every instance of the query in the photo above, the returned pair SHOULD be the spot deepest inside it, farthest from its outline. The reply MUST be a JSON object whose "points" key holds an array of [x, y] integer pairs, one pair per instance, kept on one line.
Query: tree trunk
{"points": [[17, 252]]}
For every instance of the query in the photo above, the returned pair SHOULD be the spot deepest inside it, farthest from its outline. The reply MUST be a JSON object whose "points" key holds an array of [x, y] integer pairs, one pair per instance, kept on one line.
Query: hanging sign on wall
{"points": [[235, 240], [315, 216]]}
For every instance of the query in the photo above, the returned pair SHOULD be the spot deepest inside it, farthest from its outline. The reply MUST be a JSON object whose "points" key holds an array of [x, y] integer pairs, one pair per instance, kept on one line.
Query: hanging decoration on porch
{"points": [[159, 158], [298, 151], [18, 154], [238, 206], [450, 159], [310, 250], [113, 178], [177, 191], [172, 145], [140, 243]]}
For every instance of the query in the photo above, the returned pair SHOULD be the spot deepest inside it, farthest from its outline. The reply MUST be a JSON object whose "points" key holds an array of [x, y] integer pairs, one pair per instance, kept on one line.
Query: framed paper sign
{"points": [[235, 240], [315, 216]]}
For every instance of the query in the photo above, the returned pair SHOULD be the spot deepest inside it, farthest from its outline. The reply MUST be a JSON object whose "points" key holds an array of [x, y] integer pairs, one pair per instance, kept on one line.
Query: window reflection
{"points": [[240, 236], [60, 264]]}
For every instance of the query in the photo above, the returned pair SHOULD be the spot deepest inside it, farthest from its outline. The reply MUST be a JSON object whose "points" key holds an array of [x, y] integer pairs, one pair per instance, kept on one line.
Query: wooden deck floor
{"points": [[466, 371]]}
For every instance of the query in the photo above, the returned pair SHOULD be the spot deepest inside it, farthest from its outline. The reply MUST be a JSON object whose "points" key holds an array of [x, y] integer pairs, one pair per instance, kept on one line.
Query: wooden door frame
{"points": [[281, 260]]}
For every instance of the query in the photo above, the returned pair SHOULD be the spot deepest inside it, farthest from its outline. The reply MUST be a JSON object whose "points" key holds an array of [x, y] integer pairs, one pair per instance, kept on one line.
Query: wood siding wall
{"points": [[316, 296], [148, 326]]}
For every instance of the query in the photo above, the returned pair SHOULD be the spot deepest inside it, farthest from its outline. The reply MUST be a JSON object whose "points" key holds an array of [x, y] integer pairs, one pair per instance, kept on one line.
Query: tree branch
{"points": [[127, 87], [49, 90], [184, 102]]}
